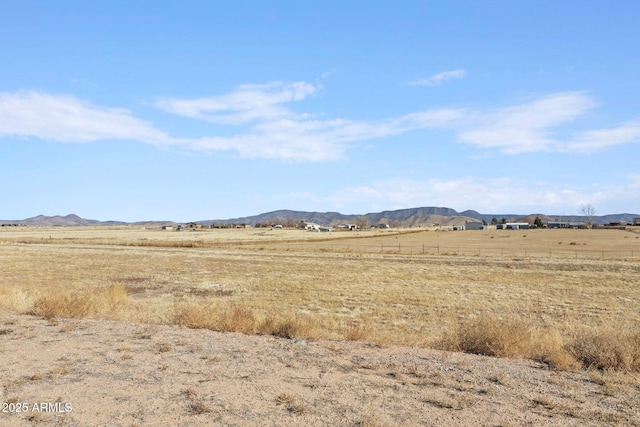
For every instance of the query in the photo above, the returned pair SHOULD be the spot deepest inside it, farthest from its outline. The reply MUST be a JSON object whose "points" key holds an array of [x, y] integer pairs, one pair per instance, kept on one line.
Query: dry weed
{"points": [[510, 337], [501, 378], [607, 349], [198, 407], [544, 400], [163, 347], [291, 404], [56, 303], [490, 336]]}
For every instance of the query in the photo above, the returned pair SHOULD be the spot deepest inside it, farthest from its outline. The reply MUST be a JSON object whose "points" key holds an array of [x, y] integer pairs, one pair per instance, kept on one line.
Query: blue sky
{"points": [[209, 110]]}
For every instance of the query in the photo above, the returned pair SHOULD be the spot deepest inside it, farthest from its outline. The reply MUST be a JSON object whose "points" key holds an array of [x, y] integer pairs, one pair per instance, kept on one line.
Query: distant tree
{"points": [[503, 221], [494, 220], [291, 222], [589, 212], [362, 222], [538, 222], [484, 222]]}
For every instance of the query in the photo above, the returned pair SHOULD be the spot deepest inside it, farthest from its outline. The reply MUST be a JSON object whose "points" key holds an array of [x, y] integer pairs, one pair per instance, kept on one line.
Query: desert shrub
{"points": [[549, 348], [238, 318], [607, 349], [508, 337], [195, 315], [291, 326], [355, 330], [490, 336], [65, 303], [217, 317]]}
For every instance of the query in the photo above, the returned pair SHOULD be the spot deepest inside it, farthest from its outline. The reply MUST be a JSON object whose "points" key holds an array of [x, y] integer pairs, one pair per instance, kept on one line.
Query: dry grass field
{"points": [[568, 300]]}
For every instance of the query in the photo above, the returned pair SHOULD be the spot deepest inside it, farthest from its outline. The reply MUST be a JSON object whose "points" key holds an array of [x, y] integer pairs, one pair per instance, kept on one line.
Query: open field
{"points": [[479, 292], [596, 244], [333, 280]]}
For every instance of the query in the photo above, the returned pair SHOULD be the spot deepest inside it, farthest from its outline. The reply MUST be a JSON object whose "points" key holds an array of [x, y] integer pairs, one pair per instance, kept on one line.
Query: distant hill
{"points": [[413, 217], [57, 220]]}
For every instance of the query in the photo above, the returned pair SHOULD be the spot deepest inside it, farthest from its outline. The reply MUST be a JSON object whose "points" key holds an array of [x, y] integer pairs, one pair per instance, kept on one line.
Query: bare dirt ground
{"points": [[71, 372]]}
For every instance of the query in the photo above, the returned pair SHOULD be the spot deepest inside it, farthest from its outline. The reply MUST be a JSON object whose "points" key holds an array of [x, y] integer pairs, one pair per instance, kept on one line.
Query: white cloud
{"points": [[600, 139], [440, 78], [68, 119], [274, 131], [267, 128], [527, 127], [247, 104]]}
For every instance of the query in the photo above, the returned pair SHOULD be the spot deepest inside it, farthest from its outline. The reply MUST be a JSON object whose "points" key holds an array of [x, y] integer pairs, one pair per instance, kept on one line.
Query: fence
{"points": [[510, 252]]}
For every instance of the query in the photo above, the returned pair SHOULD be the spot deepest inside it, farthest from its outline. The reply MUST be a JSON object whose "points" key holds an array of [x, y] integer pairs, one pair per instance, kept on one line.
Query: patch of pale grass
{"points": [[15, 299], [67, 304], [511, 337], [238, 318]]}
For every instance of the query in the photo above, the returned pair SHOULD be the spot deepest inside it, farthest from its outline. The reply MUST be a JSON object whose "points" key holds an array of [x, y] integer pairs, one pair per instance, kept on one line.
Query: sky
{"points": [[198, 110]]}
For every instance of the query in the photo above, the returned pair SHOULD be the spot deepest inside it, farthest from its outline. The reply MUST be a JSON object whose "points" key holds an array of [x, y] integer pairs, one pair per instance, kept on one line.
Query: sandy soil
{"points": [[96, 372]]}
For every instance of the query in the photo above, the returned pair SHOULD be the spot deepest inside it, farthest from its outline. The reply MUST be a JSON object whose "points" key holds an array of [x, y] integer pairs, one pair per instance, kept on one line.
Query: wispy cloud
{"points": [[440, 78], [539, 126], [68, 119], [271, 130], [266, 126], [317, 140], [600, 139], [246, 104], [528, 127]]}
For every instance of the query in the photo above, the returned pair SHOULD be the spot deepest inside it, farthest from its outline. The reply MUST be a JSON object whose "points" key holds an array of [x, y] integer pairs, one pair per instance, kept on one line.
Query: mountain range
{"points": [[413, 217]]}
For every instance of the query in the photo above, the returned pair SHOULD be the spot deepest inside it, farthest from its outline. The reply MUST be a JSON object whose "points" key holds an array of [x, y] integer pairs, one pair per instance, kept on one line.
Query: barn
{"points": [[473, 225]]}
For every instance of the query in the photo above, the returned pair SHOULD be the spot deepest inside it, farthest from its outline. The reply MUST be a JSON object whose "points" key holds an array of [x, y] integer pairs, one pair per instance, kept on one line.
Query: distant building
{"points": [[565, 224], [473, 225], [636, 221], [517, 226], [348, 226]]}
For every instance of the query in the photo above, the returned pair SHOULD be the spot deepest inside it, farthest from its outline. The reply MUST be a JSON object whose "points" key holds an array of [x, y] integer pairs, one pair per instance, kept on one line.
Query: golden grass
{"points": [[58, 302], [558, 310], [610, 348]]}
